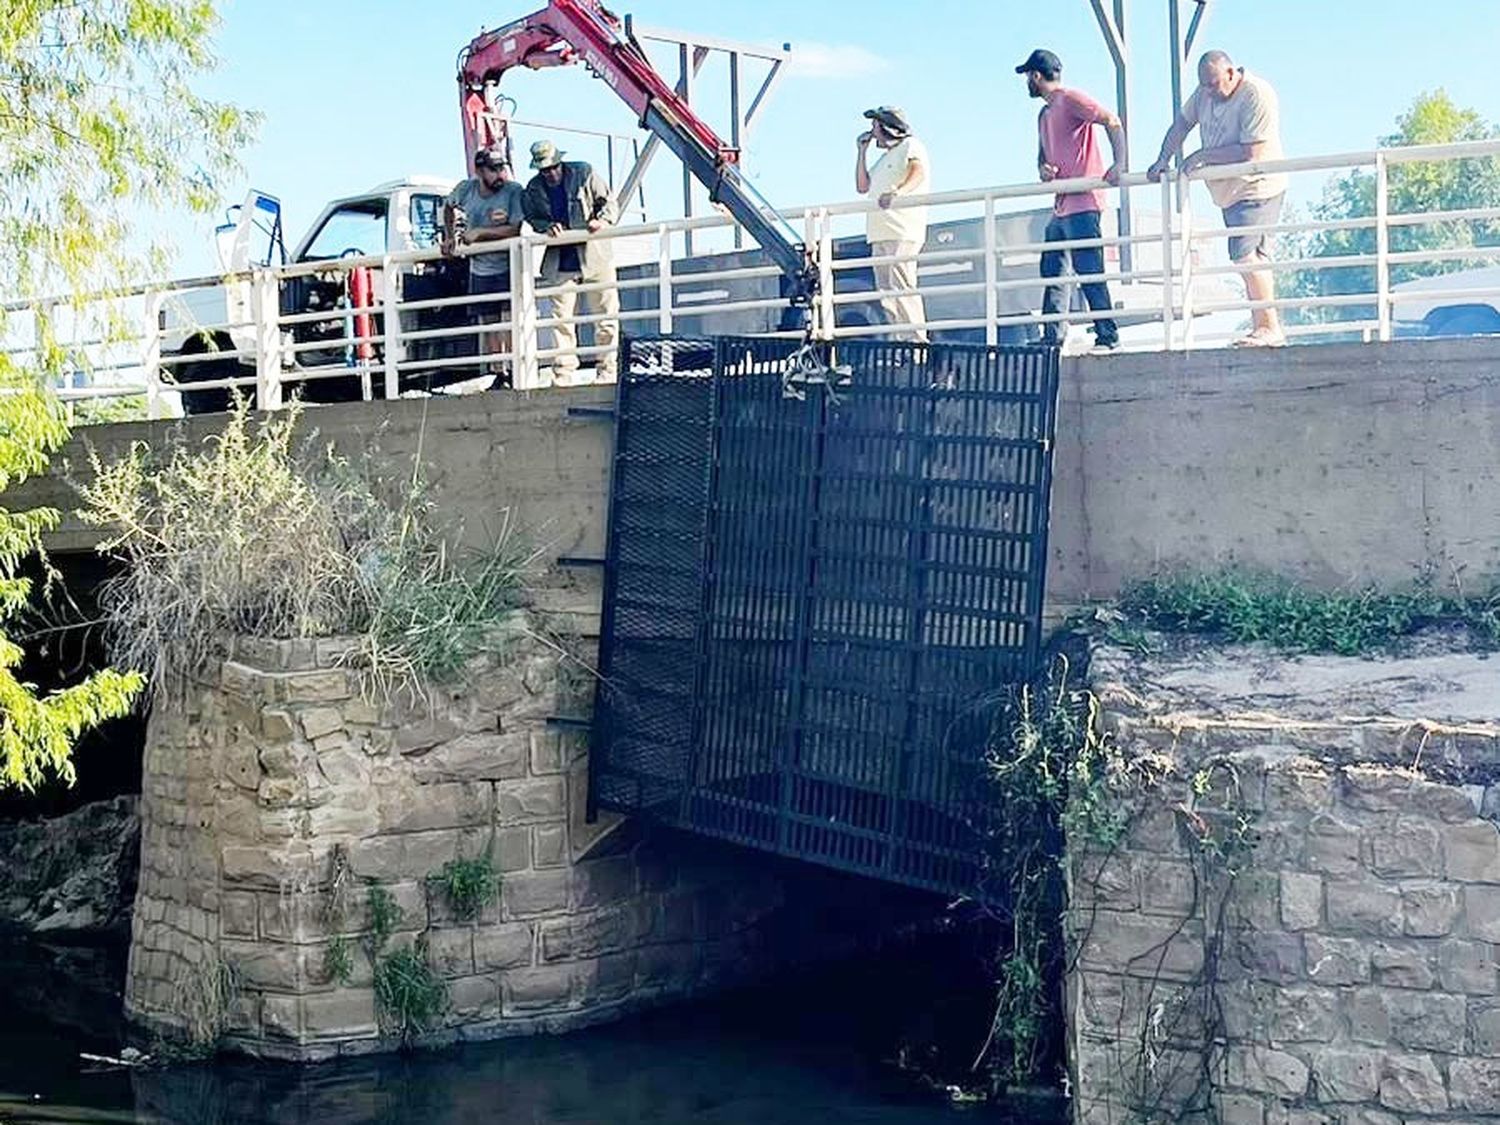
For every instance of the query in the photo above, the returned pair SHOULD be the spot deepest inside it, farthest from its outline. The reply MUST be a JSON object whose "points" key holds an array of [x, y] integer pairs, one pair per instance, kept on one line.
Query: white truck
{"points": [[209, 335], [208, 332]]}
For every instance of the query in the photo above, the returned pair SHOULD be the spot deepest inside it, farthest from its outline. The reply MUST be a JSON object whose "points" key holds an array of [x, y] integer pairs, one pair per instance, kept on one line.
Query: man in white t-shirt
{"points": [[1239, 120], [895, 232]]}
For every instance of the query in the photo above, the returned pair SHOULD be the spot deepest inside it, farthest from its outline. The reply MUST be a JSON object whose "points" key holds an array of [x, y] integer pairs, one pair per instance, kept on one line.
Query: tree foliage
{"points": [[99, 126], [1417, 187]]}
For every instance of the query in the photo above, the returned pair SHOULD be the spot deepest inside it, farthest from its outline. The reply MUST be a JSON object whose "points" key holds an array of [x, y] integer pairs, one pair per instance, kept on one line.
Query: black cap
{"points": [[490, 158], [892, 118], [1043, 62]]}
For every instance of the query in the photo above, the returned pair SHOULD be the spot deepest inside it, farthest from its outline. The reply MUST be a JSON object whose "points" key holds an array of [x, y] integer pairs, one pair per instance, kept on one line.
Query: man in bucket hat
{"points": [[563, 196], [894, 232]]}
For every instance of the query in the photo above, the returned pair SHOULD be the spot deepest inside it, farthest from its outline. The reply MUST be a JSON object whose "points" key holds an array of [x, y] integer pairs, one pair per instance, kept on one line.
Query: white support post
{"points": [[155, 302], [825, 320], [664, 280], [1382, 247], [265, 310], [390, 305], [1184, 219], [991, 275], [1168, 335], [525, 368]]}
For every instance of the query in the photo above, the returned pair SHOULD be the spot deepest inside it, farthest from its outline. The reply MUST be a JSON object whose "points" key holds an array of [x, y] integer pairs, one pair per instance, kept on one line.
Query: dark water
{"points": [[776, 1057]]}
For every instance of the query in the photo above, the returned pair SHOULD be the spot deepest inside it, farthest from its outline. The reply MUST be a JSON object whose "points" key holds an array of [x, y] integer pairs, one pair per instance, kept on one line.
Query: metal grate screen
{"points": [[806, 602]]}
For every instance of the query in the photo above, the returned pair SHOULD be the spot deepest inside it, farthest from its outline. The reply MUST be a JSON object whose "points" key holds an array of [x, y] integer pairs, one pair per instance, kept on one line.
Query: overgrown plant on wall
{"points": [[469, 885], [409, 994], [1065, 801], [1055, 775], [251, 534]]}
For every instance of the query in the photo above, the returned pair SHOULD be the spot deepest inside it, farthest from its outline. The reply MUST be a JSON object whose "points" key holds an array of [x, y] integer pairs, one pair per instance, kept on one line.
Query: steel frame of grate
{"points": [[807, 604]]}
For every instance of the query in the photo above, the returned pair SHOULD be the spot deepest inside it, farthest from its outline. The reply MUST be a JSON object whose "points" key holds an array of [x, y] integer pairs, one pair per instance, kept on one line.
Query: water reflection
{"points": [[707, 1066]]}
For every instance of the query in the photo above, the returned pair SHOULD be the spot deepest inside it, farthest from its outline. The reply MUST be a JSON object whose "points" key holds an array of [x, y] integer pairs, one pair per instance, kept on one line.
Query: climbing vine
{"points": [[1067, 799]]}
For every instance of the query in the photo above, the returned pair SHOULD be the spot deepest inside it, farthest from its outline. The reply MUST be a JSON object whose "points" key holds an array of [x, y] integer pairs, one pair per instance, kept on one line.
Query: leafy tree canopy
{"points": [[1416, 187], [99, 126]]}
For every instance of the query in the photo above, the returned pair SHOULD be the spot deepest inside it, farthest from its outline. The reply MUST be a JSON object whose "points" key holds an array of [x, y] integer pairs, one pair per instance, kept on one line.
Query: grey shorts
{"points": [[1252, 213]]}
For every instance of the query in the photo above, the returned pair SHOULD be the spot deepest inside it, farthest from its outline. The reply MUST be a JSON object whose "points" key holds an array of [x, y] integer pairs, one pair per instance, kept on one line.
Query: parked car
{"points": [[1463, 303]]}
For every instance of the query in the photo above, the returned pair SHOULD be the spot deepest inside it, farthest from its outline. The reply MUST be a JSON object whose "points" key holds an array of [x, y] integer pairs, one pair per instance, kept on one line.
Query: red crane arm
{"points": [[573, 31], [569, 31]]}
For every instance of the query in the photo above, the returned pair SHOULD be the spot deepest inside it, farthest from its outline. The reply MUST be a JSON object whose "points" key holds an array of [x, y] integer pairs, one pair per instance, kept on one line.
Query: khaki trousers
{"points": [[904, 304], [565, 305]]}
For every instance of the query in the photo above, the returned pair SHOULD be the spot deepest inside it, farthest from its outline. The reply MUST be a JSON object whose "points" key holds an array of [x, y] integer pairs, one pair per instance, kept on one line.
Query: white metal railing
{"points": [[308, 327]]}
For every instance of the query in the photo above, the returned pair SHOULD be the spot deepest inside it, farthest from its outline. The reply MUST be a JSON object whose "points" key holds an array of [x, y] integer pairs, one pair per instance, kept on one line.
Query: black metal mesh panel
{"points": [[806, 601]]}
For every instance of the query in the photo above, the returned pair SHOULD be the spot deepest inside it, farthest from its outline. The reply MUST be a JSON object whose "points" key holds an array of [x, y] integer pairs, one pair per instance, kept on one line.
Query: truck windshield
{"points": [[426, 220], [355, 228]]}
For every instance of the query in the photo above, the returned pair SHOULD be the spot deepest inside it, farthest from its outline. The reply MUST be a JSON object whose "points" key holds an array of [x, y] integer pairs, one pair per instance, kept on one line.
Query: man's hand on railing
{"points": [[1157, 170], [1113, 173], [1193, 163], [1048, 172]]}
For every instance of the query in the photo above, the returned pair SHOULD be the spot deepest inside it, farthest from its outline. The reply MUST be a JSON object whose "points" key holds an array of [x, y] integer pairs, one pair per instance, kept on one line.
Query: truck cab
{"points": [[208, 330]]}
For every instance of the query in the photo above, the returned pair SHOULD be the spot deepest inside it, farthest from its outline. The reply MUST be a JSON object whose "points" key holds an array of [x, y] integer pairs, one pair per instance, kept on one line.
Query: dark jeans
{"points": [[1086, 260]]}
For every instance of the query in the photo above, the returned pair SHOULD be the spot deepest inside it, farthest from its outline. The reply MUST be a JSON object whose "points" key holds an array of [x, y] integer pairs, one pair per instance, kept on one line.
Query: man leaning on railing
{"points": [[1239, 120], [568, 196]]}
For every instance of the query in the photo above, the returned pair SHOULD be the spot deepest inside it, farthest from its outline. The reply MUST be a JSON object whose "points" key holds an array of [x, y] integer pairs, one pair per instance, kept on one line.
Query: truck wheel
{"points": [[215, 400]]}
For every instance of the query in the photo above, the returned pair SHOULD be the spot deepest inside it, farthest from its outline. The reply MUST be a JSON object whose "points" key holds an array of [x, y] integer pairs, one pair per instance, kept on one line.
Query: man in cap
{"points": [[1068, 149], [493, 205], [894, 232], [569, 196], [1238, 117]]}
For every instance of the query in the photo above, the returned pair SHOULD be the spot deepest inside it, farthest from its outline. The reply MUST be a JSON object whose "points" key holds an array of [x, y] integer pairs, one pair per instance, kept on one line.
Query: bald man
{"points": [[1239, 120]]}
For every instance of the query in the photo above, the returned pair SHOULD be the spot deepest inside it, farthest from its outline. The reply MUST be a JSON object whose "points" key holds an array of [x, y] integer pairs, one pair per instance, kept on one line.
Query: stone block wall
{"points": [[275, 795], [1302, 923]]}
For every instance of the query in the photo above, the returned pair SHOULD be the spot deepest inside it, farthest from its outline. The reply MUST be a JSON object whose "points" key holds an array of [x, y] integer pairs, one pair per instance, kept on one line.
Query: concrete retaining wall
{"points": [[1333, 464]]}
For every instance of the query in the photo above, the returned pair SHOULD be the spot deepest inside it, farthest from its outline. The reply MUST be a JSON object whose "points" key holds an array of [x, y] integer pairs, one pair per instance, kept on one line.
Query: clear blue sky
{"points": [[359, 91]]}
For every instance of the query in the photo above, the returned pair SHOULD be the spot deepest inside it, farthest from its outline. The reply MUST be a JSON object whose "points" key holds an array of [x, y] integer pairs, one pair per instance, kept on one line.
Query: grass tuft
{"points": [[470, 885], [1244, 607], [410, 995]]}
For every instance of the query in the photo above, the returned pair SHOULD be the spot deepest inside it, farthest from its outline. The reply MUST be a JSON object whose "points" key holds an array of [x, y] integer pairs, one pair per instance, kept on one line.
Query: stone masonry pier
{"points": [[1303, 923], [277, 795]]}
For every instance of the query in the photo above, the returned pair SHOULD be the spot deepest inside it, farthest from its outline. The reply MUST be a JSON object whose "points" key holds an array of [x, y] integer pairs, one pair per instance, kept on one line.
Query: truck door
{"points": [[252, 236], [353, 229]]}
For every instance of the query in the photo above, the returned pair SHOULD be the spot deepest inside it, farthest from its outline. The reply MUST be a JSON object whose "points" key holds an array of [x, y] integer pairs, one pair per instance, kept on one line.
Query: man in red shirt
{"points": [[1067, 149]]}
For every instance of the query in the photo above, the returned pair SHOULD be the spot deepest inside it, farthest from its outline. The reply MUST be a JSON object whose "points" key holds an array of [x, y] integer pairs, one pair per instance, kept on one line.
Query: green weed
{"points": [[469, 884], [338, 961], [1245, 607], [409, 994], [383, 915]]}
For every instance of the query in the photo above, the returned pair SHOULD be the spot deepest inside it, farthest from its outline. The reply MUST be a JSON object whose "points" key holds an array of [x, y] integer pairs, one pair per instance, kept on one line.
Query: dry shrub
{"points": [[249, 536]]}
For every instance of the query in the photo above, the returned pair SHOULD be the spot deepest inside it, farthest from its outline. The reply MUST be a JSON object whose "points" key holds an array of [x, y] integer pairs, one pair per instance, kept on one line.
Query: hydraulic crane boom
{"points": [[573, 31]]}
